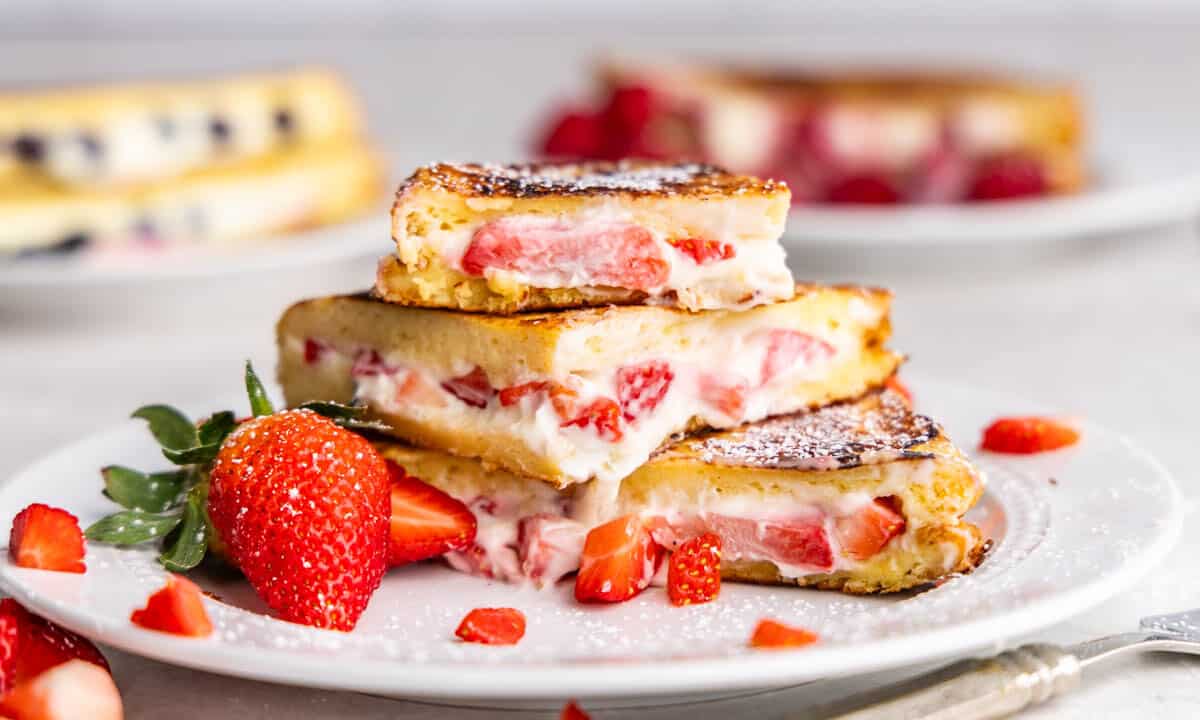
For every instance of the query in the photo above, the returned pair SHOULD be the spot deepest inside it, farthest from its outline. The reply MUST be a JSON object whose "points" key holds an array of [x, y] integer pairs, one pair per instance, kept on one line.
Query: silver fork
{"points": [[1014, 680]]}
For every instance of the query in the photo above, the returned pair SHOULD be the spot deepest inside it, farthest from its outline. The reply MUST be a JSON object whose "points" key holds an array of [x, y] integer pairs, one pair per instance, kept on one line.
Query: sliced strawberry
{"points": [[69, 691], [703, 252], [799, 541], [492, 626], [9, 633], [574, 133], [613, 254], [728, 395], [866, 532], [313, 350], [787, 348], [1028, 435], [47, 538], [772, 634], [177, 609], [417, 390], [640, 388], [472, 388], [549, 547], [694, 570], [619, 559], [897, 386], [41, 644], [571, 711], [1008, 177], [863, 189], [510, 396], [368, 363], [425, 522], [602, 414]]}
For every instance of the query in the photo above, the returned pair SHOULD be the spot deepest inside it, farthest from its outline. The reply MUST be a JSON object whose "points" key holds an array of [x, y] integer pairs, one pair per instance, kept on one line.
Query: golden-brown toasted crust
{"points": [[629, 178]]}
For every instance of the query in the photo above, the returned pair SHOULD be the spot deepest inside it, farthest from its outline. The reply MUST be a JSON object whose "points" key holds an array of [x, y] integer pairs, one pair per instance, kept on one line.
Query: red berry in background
{"points": [[492, 626], [177, 609], [772, 634], [302, 507], [571, 711], [626, 120], [863, 189], [425, 521], [694, 571], [1008, 177], [575, 133], [1028, 435], [47, 538], [619, 560]]}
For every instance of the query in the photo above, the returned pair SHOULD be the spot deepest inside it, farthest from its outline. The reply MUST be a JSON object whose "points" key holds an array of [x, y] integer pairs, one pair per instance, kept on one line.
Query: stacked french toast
{"points": [[605, 361], [175, 165]]}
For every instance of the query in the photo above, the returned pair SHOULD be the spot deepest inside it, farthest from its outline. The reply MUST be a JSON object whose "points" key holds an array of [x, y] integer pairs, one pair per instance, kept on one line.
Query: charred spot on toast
{"points": [[877, 428], [631, 178]]}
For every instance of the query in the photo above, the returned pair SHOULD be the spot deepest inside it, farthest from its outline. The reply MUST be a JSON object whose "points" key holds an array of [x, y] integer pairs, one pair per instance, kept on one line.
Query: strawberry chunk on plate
{"points": [[1028, 435], [619, 560], [694, 571], [773, 634], [47, 538], [571, 711], [866, 532], [69, 691], [425, 522], [177, 609], [492, 626]]}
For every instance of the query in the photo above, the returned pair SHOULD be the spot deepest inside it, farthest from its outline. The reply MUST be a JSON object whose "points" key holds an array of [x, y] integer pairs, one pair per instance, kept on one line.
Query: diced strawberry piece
{"points": [[728, 395], [703, 252], [571, 711], [1008, 177], [510, 396], [614, 254], [47, 538], [800, 541], [772, 634], [492, 626], [69, 691], [498, 563], [602, 414], [472, 388], [866, 532], [313, 350], [549, 547], [619, 559], [368, 363], [419, 391], [897, 386], [9, 633], [177, 609], [640, 388], [694, 570], [787, 348], [41, 645], [575, 133], [425, 522], [863, 189], [1028, 435]]}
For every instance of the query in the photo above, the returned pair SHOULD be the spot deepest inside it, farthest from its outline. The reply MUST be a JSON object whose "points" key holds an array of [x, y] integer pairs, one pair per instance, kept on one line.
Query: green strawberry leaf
{"points": [[186, 546], [260, 404], [198, 455], [140, 491], [131, 527], [214, 430], [351, 417], [170, 427]]}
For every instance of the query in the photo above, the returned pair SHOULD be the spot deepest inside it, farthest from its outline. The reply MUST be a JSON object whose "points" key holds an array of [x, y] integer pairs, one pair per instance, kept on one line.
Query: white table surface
{"points": [[1107, 330]]}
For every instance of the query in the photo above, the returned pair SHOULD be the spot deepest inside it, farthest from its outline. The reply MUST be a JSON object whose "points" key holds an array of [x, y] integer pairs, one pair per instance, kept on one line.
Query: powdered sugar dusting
{"points": [[877, 429]]}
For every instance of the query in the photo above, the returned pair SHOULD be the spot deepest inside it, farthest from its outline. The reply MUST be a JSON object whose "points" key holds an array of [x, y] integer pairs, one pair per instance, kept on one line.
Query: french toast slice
{"points": [[861, 497], [853, 136], [509, 238], [589, 393], [134, 134], [285, 191]]}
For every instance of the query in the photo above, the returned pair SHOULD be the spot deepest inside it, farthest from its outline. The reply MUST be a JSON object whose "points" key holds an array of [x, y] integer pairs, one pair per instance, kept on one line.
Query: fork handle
{"points": [[972, 690]]}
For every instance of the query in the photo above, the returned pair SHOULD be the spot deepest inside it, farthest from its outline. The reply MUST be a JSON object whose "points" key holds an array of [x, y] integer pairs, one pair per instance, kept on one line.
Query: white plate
{"points": [[322, 246], [1070, 529]]}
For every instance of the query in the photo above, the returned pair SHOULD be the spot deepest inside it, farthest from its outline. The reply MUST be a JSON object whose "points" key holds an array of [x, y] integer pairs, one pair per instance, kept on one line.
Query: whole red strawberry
{"points": [[302, 506]]}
